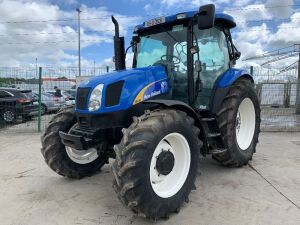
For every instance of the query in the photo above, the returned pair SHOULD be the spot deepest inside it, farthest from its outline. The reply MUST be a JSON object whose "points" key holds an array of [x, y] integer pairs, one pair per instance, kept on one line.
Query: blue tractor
{"points": [[182, 98]]}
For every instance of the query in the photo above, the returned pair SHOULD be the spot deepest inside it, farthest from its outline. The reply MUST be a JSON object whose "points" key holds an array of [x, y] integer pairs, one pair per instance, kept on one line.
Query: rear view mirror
{"points": [[206, 16], [135, 40], [237, 55]]}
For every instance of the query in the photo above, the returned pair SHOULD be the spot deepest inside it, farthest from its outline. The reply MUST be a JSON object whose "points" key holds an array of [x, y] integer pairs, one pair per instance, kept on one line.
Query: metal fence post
{"points": [[298, 97], [258, 91], [40, 99], [287, 94], [251, 71]]}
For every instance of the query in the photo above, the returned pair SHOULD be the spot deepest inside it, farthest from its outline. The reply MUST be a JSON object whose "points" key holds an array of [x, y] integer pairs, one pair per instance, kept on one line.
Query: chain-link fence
{"points": [[20, 104], [278, 92], [21, 108]]}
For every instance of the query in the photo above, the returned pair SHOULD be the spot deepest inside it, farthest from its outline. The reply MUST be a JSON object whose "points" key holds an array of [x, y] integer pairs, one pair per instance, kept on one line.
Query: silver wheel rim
{"points": [[8, 116], [166, 186], [245, 124], [82, 156]]}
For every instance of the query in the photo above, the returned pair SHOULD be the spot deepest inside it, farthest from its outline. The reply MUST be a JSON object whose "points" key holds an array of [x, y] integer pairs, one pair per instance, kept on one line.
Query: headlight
{"points": [[95, 98]]}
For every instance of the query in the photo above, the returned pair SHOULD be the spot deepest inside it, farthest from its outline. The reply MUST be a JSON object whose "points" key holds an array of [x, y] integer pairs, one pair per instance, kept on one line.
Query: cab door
{"points": [[214, 57]]}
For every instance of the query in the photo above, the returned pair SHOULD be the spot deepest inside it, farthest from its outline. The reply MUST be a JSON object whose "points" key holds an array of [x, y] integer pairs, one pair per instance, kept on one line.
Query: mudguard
{"points": [[231, 75], [223, 86]]}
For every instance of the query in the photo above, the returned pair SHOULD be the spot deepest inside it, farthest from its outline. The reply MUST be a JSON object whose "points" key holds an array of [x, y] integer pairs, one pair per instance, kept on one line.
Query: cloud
{"points": [[147, 7], [280, 12], [191, 3], [249, 12], [50, 41], [109, 61], [54, 42], [104, 24], [240, 3], [287, 33]]}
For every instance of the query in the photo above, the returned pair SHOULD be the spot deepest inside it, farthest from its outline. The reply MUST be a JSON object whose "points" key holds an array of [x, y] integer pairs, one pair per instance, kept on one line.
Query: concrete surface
{"points": [[32, 194], [279, 119]]}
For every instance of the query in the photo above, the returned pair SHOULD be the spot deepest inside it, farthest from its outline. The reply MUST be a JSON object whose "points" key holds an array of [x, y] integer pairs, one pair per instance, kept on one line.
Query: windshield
{"points": [[169, 44]]}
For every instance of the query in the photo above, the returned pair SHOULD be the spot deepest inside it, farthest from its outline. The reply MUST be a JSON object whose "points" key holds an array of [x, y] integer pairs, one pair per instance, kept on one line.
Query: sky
{"points": [[46, 30]]}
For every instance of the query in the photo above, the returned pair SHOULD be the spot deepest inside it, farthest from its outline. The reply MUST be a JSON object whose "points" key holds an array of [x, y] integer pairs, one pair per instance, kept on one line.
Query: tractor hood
{"points": [[122, 89]]}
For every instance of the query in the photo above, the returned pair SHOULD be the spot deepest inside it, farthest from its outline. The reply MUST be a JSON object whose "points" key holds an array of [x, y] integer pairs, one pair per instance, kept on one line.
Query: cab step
{"points": [[213, 135], [210, 119]]}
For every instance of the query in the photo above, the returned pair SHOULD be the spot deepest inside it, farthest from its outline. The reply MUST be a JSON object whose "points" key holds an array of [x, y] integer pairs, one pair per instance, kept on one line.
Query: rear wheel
{"points": [[239, 123], [156, 162], [67, 161]]}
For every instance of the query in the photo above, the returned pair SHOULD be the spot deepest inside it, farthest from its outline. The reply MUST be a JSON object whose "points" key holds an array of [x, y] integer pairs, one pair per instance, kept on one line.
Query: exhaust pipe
{"points": [[119, 46]]}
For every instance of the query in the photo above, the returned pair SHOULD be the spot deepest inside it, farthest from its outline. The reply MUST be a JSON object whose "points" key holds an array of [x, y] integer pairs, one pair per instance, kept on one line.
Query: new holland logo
{"points": [[152, 94]]}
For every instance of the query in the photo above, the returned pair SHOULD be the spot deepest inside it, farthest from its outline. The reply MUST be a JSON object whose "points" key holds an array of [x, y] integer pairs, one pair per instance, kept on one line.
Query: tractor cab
{"points": [[194, 53]]}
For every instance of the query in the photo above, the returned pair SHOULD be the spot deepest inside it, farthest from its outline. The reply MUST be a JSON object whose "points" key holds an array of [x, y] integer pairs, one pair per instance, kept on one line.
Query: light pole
{"points": [[79, 53], [298, 85]]}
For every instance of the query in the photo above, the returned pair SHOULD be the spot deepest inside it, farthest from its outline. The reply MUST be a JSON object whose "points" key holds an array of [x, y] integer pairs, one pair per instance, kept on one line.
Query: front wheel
{"points": [[239, 123], [156, 162], [67, 161]]}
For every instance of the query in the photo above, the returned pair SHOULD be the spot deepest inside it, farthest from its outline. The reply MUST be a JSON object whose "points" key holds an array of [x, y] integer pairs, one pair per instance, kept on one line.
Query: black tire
{"points": [[226, 117], [12, 115], [133, 156], [55, 153]]}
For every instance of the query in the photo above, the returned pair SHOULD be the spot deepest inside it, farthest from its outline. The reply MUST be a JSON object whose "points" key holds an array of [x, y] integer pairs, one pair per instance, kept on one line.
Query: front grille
{"points": [[82, 98], [113, 93]]}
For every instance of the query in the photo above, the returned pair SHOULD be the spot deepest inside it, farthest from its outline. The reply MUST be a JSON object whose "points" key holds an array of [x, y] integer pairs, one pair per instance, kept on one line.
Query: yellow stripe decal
{"points": [[140, 97]]}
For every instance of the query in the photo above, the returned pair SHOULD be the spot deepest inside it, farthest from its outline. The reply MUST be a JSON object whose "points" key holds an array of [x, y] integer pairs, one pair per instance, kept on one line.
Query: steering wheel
{"points": [[164, 58]]}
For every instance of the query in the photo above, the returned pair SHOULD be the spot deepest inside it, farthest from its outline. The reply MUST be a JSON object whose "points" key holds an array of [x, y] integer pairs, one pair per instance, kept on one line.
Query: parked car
{"points": [[71, 93], [15, 103], [67, 95], [50, 103]]}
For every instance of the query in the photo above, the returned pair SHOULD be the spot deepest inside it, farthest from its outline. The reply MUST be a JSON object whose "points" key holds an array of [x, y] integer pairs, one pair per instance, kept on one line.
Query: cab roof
{"points": [[222, 19]]}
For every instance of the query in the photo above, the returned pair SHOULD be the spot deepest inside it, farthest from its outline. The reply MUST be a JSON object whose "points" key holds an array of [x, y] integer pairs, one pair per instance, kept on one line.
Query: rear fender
{"points": [[231, 75], [224, 85]]}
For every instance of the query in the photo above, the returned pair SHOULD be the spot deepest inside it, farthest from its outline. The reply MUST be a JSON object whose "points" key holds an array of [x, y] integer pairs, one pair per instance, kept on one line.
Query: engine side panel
{"points": [[139, 84]]}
